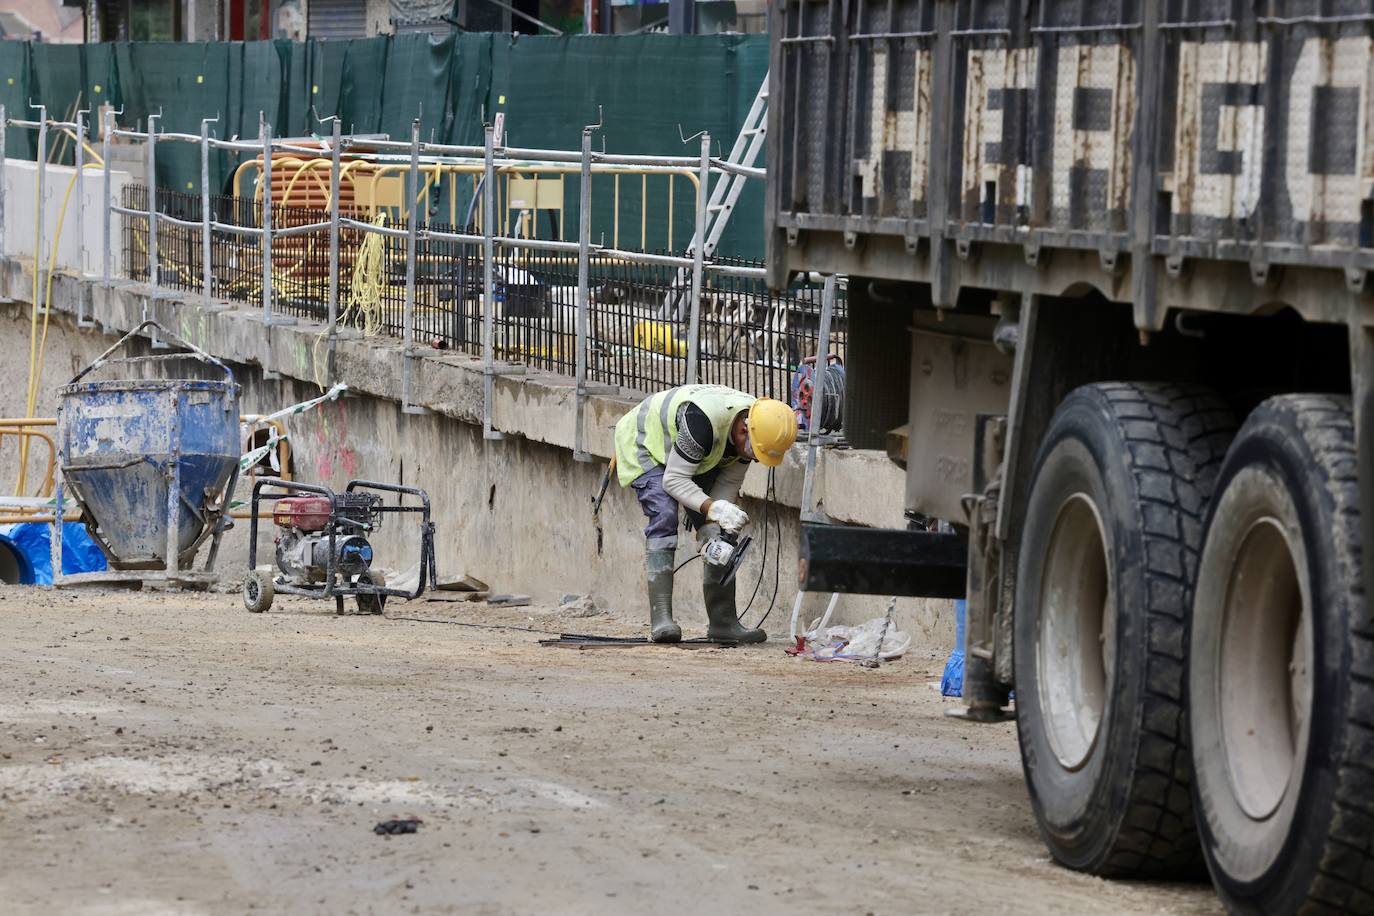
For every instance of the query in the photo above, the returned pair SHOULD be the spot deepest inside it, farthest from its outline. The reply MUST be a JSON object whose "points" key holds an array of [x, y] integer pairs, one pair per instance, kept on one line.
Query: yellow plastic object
{"points": [[772, 430], [657, 337], [382, 191], [529, 351], [21, 429], [528, 195], [369, 186]]}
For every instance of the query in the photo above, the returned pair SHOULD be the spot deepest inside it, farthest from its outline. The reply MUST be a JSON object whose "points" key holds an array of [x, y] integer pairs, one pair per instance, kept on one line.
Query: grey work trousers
{"points": [[662, 510]]}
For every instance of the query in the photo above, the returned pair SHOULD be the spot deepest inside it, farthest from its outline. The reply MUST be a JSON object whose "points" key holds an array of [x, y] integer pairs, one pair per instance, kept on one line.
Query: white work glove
{"points": [[729, 516]]}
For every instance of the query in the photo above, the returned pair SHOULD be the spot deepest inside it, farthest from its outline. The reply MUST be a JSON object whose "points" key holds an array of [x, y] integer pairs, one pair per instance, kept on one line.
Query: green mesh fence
{"points": [[55, 78], [649, 91], [14, 95]]}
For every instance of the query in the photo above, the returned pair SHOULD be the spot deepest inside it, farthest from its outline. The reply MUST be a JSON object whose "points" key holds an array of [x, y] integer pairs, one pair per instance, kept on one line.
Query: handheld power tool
{"points": [[727, 551]]}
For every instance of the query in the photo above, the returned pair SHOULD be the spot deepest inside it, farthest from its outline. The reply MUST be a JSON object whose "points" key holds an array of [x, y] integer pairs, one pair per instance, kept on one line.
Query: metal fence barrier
{"points": [[488, 286], [750, 339]]}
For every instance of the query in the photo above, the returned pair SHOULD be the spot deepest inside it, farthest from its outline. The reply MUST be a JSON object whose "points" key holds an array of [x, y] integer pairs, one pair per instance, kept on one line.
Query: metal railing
{"points": [[749, 338], [603, 314]]}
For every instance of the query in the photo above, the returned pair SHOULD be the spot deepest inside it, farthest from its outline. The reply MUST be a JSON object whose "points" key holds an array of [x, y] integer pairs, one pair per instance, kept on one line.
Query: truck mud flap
{"points": [[882, 561]]}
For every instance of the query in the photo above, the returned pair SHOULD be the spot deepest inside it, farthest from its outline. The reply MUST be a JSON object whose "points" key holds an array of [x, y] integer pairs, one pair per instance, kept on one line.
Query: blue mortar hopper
{"points": [[151, 462]]}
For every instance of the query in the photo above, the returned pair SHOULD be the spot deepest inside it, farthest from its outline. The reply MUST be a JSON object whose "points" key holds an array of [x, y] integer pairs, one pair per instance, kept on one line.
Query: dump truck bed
{"points": [[959, 142]]}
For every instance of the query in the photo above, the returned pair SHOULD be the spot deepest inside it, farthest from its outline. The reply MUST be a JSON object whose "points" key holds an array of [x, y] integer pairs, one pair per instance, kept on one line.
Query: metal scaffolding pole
{"points": [[698, 264], [334, 171], [488, 283], [265, 133], [79, 153], [4, 160], [42, 189], [206, 217], [82, 319], [107, 130], [813, 439], [412, 236], [154, 268], [584, 233]]}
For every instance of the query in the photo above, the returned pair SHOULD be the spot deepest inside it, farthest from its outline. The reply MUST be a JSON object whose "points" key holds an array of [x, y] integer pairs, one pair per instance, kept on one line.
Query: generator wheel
{"points": [[1107, 557], [258, 592], [1281, 674], [371, 604]]}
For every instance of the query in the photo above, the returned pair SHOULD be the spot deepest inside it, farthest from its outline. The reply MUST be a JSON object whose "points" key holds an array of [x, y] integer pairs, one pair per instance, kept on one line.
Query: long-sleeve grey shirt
{"points": [[694, 442]]}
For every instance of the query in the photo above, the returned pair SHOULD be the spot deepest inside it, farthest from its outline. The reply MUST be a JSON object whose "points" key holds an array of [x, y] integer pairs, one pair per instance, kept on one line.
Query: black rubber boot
{"points": [[659, 566], [720, 610]]}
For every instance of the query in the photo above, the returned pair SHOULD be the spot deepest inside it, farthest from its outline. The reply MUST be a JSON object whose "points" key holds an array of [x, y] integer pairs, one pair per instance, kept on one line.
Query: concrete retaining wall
{"points": [[515, 512]]}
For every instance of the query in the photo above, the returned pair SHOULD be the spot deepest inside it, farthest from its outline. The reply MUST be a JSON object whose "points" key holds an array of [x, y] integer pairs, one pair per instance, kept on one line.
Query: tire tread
{"points": [[1174, 439], [1345, 870]]}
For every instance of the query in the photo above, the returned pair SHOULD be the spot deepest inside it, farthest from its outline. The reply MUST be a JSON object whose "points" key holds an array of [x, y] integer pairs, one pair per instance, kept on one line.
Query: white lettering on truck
{"points": [[1218, 169], [897, 131], [1326, 142], [1000, 84], [1094, 108], [1219, 139]]}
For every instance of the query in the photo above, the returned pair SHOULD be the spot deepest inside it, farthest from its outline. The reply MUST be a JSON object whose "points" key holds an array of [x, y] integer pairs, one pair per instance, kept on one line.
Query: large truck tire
{"points": [[1281, 675], [1104, 587]]}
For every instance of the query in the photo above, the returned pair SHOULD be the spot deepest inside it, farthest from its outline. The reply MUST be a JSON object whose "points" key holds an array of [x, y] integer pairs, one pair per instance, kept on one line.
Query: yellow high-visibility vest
{"points": [[644, 435]]}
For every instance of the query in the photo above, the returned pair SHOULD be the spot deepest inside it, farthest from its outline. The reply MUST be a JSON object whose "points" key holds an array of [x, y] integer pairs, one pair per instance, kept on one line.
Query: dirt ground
{"points": [[170, 753]]}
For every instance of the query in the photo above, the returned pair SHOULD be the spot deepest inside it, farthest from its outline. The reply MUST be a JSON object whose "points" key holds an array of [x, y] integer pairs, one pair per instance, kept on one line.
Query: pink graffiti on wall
{"points": [[332, 454]]}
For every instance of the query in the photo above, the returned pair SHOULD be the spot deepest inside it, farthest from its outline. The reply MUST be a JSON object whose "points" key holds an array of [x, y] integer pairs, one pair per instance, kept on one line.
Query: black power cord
{"points": [[763, 548], [475, 626], [769, 509]]}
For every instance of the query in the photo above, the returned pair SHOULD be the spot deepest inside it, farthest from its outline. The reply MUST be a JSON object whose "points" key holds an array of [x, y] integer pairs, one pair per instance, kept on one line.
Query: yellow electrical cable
{"points": [[365, 293], [90, 150], [308, 168], [364, 305]]}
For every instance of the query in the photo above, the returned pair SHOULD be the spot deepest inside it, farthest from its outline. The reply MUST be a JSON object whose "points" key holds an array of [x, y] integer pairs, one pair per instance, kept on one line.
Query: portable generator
{"points": [[322, 544]]}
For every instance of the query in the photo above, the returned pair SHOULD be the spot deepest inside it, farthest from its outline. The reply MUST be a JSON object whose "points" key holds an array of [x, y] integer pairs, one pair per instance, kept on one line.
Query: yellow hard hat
{"points": [[772, 430]]}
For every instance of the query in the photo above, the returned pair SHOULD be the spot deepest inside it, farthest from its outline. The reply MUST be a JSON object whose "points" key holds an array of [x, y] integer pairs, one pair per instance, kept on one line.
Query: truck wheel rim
{"points": [[1076, 633], [1265, 683]]}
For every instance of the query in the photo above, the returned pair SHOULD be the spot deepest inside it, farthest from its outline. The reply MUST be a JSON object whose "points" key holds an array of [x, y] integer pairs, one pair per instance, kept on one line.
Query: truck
{"points": [[1110, 304]]}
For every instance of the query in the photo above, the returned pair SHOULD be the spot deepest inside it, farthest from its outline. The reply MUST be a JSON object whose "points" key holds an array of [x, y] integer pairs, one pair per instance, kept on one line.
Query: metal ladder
{"points": [[724, 195]]}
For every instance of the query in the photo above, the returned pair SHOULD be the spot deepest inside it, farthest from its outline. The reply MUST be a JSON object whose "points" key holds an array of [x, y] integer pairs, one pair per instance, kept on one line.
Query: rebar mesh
{"points": [[638, 315]]}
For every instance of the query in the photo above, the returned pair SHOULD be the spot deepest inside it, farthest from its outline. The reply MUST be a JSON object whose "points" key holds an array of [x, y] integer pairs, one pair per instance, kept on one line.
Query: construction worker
{"points": [[691, 446]]}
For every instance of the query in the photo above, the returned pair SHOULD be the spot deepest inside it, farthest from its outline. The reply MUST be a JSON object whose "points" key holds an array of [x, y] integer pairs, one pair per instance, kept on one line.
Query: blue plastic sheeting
{"points": [[79, 553], [12, 558], [952, 683]]}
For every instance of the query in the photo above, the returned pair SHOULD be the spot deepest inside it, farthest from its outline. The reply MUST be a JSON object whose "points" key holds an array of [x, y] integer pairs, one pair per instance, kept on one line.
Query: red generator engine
{"points": [[308, 513]]}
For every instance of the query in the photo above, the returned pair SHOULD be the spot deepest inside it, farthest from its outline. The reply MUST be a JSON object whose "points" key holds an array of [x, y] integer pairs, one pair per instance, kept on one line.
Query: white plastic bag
{"points": [[856, 643]]}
